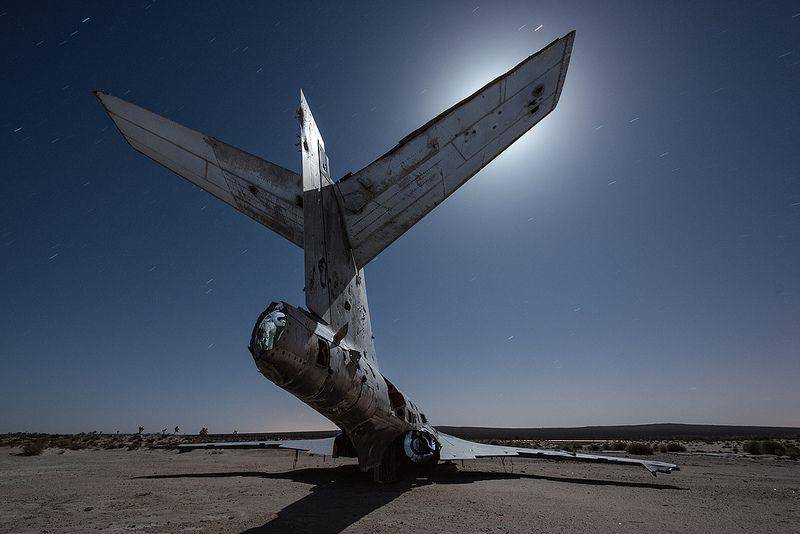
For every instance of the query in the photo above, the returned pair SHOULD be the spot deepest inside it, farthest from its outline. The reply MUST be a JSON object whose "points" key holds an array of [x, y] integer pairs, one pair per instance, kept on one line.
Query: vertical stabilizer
{"points": [[334, 286]]}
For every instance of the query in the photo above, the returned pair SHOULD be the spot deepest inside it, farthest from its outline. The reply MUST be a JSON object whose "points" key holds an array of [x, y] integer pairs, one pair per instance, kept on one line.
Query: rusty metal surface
{"points": [[345, 387], [266, 192], [390, 195]]}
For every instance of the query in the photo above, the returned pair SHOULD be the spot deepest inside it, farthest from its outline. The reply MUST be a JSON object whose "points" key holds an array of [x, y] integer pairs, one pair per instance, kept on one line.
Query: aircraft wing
{"points": [[319, 447], [261, 190], [386, 198], [458, 449]]}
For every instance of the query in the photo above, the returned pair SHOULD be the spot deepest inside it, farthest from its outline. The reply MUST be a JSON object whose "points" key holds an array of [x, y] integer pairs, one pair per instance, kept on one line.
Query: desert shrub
{"points": [[75, 445], [594, 447], [561, 445], [792, 451], [674, 446], [767, 446], [662, 448], [752, 447], [614, 446], [68, 443], [636, 447], [203, 431], [770, 446], [33, 448]]}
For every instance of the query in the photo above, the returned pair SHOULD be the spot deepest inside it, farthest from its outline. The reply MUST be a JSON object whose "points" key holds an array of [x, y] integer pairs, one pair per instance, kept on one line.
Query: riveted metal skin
{"points": [[301, 357]]}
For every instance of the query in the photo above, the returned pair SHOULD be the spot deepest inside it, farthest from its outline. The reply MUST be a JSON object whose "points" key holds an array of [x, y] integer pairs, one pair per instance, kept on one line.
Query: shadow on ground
{"points": [[342, 495]]}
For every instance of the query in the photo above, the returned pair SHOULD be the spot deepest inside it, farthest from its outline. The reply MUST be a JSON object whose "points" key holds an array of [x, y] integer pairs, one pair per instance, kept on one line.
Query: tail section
{"points": [[334, 285]]}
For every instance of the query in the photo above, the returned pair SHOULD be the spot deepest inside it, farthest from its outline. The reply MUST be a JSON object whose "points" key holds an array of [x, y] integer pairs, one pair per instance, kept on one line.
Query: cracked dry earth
{"points": [[257, 491]]}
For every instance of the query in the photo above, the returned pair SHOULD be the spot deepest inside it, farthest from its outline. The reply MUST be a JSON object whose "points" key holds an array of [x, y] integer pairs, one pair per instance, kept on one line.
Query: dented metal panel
{"points": [[261, 190], [390, 195]]}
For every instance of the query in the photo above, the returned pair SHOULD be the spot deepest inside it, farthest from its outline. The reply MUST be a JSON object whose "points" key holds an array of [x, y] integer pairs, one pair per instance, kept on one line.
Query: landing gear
{"points": [[388, 470]]}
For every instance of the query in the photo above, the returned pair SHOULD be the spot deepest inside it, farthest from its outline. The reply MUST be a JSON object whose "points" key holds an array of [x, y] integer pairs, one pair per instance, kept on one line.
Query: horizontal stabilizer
{"points": [[390, 195], [261, 190]]}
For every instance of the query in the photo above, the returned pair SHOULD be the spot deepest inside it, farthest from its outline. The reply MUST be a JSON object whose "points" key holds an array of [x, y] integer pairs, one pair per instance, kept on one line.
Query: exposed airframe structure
{"points": [[325, 354]]}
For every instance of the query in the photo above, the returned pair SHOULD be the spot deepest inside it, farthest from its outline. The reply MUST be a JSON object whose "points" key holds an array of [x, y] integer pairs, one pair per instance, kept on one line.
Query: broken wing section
{"points": [[391, 194], [458, 449], [318, 447], [261, 190]]}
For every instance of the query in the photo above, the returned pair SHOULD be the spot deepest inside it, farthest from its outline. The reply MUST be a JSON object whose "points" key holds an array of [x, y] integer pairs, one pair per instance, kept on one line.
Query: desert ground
{"points": [[259, 491]]}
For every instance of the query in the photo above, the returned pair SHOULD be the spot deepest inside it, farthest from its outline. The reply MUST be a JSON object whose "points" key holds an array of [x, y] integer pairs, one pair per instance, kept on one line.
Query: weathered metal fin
{"points": [[390, 195], [261, 190]]}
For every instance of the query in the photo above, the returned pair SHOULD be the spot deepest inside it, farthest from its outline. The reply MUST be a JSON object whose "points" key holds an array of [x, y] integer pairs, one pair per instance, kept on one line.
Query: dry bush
{"points": [[752, 447], [770, 446], [33, 448], [792, 451], [767, 446], [636, 447], [674, 446]]}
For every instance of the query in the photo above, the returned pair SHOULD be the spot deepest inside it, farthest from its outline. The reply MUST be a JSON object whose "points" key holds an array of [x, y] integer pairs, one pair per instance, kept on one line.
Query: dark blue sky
{"points": [[634, 258]]}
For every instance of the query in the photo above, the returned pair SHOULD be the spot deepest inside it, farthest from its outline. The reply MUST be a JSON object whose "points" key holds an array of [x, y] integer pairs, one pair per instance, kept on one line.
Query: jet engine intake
{"points": [[421, 446]]}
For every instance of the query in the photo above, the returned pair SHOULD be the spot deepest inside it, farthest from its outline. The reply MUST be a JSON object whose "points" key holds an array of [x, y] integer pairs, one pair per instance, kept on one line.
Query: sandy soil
{"points": [[257, 491]]}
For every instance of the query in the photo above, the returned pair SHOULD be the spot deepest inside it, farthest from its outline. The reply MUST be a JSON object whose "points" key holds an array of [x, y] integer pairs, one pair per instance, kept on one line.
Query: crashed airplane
{"points": [[324, 354]]}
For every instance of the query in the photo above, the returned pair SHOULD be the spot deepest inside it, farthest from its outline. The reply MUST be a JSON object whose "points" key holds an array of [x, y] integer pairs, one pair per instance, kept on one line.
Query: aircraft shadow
{"points": [[340, 496]]}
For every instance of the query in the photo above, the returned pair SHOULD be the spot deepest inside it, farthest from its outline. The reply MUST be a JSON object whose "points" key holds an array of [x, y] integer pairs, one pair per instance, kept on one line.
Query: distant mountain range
{"points": [[654, 431]]}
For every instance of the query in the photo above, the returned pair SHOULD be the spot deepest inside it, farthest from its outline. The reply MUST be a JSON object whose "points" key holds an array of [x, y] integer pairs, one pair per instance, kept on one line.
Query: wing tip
{"points": [[655, 468], [101, 97]]}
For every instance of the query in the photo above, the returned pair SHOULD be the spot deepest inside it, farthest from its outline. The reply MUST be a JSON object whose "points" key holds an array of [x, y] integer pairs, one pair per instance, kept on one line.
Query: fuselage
{"points": [[301, 354]]}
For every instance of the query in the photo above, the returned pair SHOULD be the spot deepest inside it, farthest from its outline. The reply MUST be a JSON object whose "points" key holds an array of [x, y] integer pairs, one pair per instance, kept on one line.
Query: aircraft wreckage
{"points": [[325, 355]]}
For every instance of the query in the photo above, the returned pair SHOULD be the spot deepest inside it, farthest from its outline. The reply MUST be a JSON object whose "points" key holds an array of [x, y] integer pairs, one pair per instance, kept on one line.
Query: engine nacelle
{"points": [[420, 446]]}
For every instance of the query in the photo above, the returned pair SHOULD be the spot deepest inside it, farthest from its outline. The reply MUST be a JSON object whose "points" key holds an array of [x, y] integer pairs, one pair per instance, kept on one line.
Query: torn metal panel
{"points": [[296, 352], [390, 195]]}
